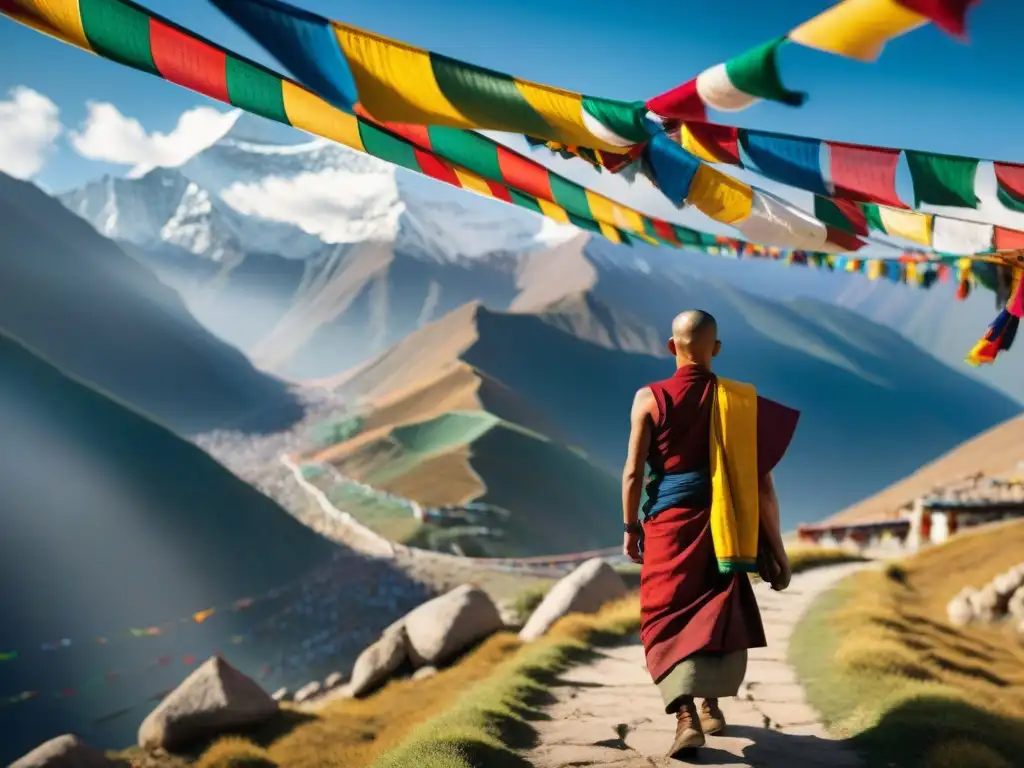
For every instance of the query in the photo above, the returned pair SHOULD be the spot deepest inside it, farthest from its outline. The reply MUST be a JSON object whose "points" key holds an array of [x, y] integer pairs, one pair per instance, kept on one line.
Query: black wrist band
{"points": [[633, 528]]}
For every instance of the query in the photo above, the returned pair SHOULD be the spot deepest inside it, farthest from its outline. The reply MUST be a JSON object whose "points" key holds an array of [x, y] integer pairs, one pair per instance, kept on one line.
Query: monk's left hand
{"points": [[631, 547]]}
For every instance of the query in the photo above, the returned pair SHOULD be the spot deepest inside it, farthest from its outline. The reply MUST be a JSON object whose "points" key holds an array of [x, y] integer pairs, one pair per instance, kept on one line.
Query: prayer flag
{"points": [[943, 179], [790, 160], [955, 236], [1007, 239], [711, 142], [947, 14], [858, 29], [841, 214], [720, 196], [907, 224], [866, 174], [775, 222], [742, 80]]}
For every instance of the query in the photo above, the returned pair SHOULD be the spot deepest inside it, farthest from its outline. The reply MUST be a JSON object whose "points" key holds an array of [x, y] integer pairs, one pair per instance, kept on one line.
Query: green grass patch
{"points": [[880, 662]]}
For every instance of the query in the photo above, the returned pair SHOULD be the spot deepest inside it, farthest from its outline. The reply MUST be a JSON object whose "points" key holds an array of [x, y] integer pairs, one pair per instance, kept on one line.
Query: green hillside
{"points": [[526, 494]]}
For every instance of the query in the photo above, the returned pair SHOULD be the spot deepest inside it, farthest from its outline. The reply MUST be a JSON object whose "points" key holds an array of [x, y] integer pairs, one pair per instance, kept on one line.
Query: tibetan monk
{"points": [[711, 517]]}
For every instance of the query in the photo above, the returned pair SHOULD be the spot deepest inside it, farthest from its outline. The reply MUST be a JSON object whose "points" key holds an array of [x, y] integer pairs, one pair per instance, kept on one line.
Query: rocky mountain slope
{"points": [[114, 525], [575, 361], [99, 314]]}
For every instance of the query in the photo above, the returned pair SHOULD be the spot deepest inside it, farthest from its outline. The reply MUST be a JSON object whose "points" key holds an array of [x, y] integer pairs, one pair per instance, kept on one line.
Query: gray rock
{"points": [[281, 694], [308, 691], [214, 699], [378, 662], [66, 751], [584, 590], [443, 627]]}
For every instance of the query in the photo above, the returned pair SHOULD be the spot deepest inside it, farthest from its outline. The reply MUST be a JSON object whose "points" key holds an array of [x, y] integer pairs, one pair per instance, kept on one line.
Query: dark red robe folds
{"points": [[687, 606]]}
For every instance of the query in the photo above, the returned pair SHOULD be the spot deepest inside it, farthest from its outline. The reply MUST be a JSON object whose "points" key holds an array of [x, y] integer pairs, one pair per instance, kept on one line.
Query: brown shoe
{"points": [[689, 734], [711, 718]]}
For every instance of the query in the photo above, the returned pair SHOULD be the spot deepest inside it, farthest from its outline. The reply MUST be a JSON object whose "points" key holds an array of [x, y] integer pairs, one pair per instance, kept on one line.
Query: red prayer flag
{"points": [[723, 141], [854, 214], [846, 241], [947, 14], [186, 61], [867, 174], [681, 103], [1008, 239], [1010, 176]]}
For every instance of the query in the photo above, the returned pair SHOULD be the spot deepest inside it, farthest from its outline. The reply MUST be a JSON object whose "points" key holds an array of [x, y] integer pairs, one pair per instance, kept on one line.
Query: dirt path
{"points": [[608, 713]]}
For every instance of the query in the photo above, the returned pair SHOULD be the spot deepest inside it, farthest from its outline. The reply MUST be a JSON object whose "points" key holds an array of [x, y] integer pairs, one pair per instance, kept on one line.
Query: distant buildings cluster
{"points": [[929, 519]]}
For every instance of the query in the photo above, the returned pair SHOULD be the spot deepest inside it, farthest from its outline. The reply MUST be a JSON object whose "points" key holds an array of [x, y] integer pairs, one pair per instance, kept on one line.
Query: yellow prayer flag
{"points": [[858, 29], [692, 145], [59, 19], [907, 224], [720, 196]]}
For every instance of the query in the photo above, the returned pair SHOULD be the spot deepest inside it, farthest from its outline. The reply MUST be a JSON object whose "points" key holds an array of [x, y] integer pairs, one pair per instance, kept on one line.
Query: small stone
{"points": [[424, 672], [308, 691], [333, 680]]}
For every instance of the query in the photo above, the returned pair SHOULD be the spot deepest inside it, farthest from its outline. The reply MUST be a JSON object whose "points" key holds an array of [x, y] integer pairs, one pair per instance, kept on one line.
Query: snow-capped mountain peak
{"points": [[262, 187]]}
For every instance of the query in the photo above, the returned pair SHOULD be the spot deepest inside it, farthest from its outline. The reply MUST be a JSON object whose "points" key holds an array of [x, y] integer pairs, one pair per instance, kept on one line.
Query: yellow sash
{"points": [[734, 480]]}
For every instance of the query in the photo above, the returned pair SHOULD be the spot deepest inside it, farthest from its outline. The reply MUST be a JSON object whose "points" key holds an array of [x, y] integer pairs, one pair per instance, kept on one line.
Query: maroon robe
{"points": [[686, 605]]}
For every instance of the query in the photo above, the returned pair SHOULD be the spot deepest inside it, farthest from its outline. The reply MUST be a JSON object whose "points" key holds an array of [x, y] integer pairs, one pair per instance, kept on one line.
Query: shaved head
{"points": [[694, 337]]}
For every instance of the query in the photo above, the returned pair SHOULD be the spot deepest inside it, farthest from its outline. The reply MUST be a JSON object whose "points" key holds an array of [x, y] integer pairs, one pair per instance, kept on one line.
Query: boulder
{"points": [[66, 751], [333, 680], [986, 604], [443, 627], [378, 662], [584, 590], [308, 691], [214, 699], [1007, 583], [959, 611], [1015, 607]]}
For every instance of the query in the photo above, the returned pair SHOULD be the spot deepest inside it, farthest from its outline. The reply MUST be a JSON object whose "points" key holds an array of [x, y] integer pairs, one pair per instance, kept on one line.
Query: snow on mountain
{"points": [[258, 189]]}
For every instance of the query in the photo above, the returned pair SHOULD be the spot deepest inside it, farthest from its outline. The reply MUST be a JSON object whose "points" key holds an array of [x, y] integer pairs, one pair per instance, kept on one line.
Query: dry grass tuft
{"points": [[880, 661], [235, 752]]}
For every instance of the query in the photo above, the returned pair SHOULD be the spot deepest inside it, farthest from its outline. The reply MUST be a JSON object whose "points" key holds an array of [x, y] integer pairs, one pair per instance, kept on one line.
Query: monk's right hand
{"points": [[631, 547]]}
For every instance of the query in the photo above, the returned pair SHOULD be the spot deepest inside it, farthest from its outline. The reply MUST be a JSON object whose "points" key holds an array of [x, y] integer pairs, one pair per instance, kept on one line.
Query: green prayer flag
{"points": [[874, 216], [756, 73], [625, 119], [943, 179]]}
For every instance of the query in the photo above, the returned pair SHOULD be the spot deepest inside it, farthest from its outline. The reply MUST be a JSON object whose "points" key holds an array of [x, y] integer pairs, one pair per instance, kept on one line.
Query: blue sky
{"points": [[927, 91]]}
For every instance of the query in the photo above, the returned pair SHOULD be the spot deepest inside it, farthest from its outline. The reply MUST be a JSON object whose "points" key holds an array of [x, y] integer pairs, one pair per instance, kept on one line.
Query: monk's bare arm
{"points": [[641, 420], [770, 519]]}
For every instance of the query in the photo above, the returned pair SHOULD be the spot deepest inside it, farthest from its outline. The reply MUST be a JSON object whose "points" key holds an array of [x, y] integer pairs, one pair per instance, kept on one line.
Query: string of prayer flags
{"points": [[126, 33], [857, 29], [1003, 330], [399, 83], [943, 179], [729, 87]]}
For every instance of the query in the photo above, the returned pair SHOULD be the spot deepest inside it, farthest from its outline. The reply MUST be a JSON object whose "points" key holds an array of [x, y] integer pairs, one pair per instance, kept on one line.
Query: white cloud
{"points": [[109, 135], [29, 125], [337, 205]]}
